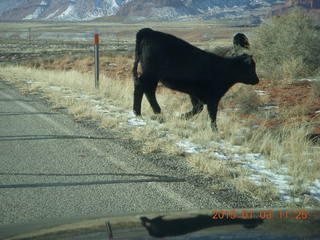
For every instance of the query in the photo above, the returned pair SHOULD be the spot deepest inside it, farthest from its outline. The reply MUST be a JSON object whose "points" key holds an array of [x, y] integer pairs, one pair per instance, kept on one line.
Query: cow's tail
{"points": [[139, 37], [137, 57]]}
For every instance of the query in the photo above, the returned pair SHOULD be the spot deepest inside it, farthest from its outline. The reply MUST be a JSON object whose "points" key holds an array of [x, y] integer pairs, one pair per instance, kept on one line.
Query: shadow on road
{"points": [[152, 178], [18, 100], [26, 113], [47, 137], [81, 174]]}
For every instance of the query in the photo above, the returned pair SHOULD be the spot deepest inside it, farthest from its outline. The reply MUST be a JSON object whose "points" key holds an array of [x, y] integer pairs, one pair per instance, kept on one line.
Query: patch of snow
{"points": [[37, 12], [260, 92], [269, 107], [256, 163], [225, 146], [43, 3], [51, 15], [69, 14], [315, 189], [256, 179], [98, 108], [231, 109], [68, 11], [253, 156], [136, 122], [308, 79], [29, 81], [188, 146], [55, 88], [220, 155], [82, 97], [103, 111], [95, 101]]}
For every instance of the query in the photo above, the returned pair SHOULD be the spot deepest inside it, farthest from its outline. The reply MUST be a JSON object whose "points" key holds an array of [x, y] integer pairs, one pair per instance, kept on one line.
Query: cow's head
{"points": [[246, 70]]}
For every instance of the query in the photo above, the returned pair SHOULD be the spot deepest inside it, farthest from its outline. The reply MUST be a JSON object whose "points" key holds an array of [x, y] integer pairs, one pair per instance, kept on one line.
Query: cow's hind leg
{"points": [[197, 107], [150, 91], [212, 109], [137, 98]]}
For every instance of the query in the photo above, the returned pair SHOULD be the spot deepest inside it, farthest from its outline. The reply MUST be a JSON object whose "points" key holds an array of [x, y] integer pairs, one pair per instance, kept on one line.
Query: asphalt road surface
{"points": [[54, 169]]}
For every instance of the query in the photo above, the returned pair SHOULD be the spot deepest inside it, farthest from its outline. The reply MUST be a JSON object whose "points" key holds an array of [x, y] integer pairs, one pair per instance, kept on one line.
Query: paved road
{"points": [[54, 169]]}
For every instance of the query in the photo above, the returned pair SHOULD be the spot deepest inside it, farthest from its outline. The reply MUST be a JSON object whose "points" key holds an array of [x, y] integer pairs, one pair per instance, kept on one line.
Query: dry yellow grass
{"points": [[287, 147]]}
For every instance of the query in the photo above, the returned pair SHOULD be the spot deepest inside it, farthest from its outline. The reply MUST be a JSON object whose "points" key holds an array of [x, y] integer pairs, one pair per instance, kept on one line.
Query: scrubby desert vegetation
{"points": [[262, 147], [287, 47]]}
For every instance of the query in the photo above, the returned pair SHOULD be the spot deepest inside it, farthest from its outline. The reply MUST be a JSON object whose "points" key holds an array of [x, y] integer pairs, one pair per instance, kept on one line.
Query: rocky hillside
{"points": [[156, 9], [83, 10], [65, 10], [312, 6], [309, 4]]}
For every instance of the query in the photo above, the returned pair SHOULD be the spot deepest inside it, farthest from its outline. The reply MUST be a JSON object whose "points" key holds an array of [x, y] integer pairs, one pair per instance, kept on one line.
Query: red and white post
{"points": [[96, 59]]}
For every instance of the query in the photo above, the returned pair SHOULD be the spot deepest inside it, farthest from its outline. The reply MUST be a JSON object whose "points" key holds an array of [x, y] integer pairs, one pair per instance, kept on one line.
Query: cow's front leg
{"points": [[212, 110], [197, 107]]}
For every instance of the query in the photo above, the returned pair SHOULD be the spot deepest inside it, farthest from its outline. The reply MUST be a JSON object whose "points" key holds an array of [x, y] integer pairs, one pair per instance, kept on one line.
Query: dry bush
{"points": [[287, 46], [247, 99], [316, 90]]}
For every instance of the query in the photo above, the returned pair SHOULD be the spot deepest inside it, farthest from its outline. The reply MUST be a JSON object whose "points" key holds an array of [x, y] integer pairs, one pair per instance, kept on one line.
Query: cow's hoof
{"points": [[159, 118], [186, 116], [136, 113], [214, 127]]}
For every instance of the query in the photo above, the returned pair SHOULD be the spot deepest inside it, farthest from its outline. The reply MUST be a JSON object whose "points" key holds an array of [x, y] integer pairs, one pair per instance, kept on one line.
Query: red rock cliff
{"points": [[310, 4]]}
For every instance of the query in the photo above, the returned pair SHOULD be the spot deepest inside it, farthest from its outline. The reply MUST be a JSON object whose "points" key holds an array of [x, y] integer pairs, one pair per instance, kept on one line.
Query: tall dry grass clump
{"points": [[248, 100], [287, 46], [316, 89]]}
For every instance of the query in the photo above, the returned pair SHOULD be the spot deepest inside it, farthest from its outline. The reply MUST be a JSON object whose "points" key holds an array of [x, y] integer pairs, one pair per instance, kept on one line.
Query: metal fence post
{"points": [[96, 59]]}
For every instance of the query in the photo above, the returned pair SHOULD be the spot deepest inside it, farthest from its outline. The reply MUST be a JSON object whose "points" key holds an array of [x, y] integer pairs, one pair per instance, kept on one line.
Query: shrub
{"points": [[287, 46], [247, 99], [316, 90]]}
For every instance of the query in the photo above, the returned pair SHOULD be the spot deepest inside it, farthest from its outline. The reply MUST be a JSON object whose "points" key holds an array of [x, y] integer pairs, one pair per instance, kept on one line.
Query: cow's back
{"points": [[174, 61]]}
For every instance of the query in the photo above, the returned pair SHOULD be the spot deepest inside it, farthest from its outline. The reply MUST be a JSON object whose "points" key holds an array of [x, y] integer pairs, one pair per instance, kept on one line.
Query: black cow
{"points": [[206, 77]]}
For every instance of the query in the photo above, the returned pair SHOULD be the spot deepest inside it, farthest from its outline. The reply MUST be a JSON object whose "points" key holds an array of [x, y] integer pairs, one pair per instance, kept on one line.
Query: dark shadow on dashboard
{"points": [[48, 137], [158, 227]]}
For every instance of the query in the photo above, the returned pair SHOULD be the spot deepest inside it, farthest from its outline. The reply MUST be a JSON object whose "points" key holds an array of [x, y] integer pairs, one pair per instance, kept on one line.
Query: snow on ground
{"points": [[315, 189], [35, 14], [55, 88], [188, 146], [29, 81], [308, 79], [256, 162], [260, 93], [136, 122], [268, 107], [222, 150], [51, 15]]}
